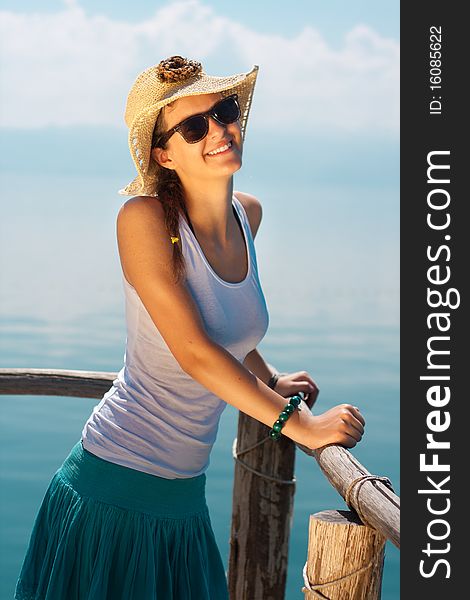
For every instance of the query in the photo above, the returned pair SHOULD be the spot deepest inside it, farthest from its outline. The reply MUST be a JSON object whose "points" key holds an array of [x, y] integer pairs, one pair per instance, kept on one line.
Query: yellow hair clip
{"points": [[174, 240]]}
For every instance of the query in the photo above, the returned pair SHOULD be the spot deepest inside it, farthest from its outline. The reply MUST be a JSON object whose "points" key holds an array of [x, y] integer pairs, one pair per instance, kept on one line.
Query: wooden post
{"points": [[263, 503], [346, 555], [262, 514]]}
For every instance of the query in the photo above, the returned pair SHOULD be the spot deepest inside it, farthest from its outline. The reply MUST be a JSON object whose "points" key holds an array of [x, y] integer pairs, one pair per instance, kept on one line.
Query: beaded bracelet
{"points": [[294, 403]]}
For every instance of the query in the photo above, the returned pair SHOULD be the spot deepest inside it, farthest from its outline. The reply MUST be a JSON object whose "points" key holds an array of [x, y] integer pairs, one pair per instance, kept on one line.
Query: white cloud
{"points": [[71, 68]]}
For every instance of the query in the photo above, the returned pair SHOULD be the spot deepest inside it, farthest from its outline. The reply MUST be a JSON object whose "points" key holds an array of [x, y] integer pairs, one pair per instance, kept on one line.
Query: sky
{"points": [[325, 66], [323, 131], [333, 18]]}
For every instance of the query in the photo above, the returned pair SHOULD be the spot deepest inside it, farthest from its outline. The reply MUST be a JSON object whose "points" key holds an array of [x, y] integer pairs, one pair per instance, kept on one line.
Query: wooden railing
{"points": [[55, 382], [379, 505], [263, 498]]}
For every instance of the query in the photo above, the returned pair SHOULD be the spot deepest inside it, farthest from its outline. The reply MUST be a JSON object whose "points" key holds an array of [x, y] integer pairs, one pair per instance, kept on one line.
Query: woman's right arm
{"points": [[145, 251]]}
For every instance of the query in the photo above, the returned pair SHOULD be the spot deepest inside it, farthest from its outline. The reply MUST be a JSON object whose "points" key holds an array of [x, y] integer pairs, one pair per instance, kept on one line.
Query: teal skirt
{"points": [[107, 532]]}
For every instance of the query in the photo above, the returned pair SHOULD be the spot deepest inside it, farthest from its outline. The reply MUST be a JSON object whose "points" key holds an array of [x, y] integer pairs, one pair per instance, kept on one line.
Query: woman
{"points": [[125, 517]]}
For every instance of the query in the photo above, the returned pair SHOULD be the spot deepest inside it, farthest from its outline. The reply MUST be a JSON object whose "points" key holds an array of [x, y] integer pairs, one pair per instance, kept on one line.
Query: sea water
{"points": [[328, 262]]}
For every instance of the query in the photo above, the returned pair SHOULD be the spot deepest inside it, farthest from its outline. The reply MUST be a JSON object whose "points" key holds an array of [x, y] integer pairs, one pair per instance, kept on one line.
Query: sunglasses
{"points": [[195, 128]]}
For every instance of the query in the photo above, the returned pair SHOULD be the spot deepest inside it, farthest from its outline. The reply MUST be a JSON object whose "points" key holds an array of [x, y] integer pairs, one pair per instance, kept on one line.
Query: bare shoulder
{"points": [[143, 213], [253, 209], [141, 232], [140, 205]]}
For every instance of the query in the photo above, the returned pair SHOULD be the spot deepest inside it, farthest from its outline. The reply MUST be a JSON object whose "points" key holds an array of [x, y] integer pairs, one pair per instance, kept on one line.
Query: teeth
{"points": [[221, 149]]}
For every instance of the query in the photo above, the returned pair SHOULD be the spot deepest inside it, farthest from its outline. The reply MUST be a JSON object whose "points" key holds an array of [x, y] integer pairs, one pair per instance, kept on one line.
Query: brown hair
{"points": [[170, 192]]}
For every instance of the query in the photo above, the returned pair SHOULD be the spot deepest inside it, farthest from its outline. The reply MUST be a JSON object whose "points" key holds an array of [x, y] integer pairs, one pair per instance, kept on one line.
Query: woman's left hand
{"points": [[289, 384]]}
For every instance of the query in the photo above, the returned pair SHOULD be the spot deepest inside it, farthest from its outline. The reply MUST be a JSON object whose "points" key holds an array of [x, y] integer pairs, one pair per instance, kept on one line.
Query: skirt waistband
{"points": [[115, 484]]}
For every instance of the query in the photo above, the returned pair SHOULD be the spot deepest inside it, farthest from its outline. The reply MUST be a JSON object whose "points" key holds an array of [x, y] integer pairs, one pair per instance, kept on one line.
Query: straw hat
{"points": [[173, 78]]}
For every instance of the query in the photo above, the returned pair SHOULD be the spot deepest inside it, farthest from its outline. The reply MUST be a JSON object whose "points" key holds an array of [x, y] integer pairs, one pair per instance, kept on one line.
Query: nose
{"points": [[216, 129]]}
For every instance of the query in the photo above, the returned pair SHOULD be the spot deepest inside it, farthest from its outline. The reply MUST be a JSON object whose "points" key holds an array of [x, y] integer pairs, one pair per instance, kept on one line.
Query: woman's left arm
{"points": [[258, 366], [287, 384]]}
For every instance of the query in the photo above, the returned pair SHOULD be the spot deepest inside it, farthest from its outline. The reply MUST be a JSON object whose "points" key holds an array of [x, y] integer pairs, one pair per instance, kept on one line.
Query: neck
{"points": [[210, 209]]}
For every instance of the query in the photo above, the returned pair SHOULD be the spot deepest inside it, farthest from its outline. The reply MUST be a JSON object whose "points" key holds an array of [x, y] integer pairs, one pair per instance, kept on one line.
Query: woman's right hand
{"points": [[342, 424]]}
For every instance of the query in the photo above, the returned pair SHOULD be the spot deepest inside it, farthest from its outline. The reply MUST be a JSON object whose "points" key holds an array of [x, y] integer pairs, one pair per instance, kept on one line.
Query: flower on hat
{"points": [[177, 68]]}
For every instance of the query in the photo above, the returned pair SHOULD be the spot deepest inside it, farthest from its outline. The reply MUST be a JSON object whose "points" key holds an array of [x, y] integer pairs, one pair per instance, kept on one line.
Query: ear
{"points": [[162, 157]]}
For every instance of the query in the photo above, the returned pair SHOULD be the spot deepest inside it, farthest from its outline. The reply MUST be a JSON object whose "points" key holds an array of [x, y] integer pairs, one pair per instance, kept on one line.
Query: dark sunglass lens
{"points": [[227, 111], [194, 129]]}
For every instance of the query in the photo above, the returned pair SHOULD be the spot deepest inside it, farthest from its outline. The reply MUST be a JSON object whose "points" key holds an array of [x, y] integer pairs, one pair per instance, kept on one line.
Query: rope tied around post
{"points": [[355, 487], [352, 493], [236, 455], [315, 588]]}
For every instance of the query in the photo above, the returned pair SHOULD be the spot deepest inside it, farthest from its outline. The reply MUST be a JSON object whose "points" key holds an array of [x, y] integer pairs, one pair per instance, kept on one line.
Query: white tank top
{"points": [[156, 418]]}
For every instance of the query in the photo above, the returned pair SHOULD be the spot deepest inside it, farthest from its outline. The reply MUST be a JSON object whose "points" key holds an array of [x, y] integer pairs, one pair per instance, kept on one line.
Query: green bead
{"points": [[284, 416], [274, 435], [289, 409], [295, 401], [278, 425]]}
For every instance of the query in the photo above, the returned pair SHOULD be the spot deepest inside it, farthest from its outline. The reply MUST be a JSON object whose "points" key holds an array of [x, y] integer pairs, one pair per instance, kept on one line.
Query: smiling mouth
{"points": [[220, 150]]}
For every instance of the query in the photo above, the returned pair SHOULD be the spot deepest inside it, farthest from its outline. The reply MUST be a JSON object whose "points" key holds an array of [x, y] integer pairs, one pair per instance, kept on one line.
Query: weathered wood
{"points": [[345, 558], [55, 382], [377, 503], [262, 514], [256, 506]]}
